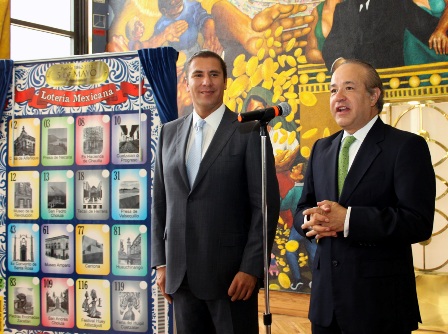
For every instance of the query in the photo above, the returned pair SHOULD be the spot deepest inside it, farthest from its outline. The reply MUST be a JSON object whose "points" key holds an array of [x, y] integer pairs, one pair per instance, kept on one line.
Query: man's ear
{"points": [[186, 84], [375, 96]]}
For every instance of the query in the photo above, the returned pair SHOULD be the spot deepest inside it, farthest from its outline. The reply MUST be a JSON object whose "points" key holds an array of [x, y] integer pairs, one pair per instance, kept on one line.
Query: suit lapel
{"points": [[367, 153], [225, 130], [329, 163], [183, 131]]}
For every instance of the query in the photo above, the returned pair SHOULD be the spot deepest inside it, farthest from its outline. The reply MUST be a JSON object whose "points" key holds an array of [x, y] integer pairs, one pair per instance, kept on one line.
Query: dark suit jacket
{"points": [[376, 36], [215, 229], [367, 279]]}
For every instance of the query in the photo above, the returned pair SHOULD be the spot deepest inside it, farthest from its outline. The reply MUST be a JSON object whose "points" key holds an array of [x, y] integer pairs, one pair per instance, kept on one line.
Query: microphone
{"points": [[265, 115]]}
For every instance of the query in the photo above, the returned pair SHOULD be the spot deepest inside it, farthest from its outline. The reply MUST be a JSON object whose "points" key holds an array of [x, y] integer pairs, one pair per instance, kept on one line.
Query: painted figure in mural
{"points": [[320, 28], [206, 240], [273, 266], [237, 22], [180, 26], [135, 29], [194, 20], [285, 151], [285, 154], [261, 98], [289, 202], [436, 49], [240, 27], [134, 32], [363, 275], [374, 30]]}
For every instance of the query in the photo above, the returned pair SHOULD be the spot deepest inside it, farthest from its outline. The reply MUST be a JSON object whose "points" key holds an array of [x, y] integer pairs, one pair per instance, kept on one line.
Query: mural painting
{"points": [[283, 51]]}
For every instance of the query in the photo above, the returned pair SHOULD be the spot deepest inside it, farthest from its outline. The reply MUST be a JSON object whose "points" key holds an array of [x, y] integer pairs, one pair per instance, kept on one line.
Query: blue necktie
{"points": [[195, 155], [343, 161]]}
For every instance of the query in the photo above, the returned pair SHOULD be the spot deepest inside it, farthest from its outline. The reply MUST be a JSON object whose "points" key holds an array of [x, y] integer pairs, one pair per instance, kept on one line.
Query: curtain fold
{"points": [[159, 65], [6, 66]]}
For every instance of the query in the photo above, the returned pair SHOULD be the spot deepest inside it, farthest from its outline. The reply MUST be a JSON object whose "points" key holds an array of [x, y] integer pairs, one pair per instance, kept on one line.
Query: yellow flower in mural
{"points": [[290, 44], [292, 245], [284, 280], [252, 66], [238, 86], [310, 133], [239, 68], [305, 151], [291, 137], [303, 260], [308, 99]]}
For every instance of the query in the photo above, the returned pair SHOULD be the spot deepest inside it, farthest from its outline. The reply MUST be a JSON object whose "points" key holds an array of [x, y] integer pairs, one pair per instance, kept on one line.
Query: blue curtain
{"points": [[159, 65], [6, 66]]}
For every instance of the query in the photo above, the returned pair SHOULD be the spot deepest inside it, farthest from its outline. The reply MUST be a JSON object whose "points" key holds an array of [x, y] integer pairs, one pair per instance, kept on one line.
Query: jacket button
{"points": [[335, 263]]}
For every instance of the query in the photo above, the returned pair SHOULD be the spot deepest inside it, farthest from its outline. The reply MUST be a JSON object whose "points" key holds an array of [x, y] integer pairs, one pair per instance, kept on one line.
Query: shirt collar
{"points": [[213, 119], [362, 133]]}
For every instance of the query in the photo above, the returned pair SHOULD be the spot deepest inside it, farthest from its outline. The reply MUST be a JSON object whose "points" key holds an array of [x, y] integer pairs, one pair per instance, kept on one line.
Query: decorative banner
{"points": [[76, 198]]}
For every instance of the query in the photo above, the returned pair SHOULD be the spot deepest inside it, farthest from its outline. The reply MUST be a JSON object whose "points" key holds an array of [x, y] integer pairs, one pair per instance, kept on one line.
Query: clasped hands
{"points": [[325, 220]]}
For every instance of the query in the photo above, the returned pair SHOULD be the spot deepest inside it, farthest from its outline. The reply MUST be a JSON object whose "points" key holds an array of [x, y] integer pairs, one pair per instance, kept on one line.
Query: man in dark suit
{"points": [[210, 234], [373, 31], [363, 276]]}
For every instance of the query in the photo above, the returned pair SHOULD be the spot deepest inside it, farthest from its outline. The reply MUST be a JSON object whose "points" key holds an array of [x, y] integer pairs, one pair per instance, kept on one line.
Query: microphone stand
{"points": [[267, 317]]}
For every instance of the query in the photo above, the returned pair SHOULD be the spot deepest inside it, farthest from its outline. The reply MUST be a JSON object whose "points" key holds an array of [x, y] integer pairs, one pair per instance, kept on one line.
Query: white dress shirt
{"points": [[208, 130]]}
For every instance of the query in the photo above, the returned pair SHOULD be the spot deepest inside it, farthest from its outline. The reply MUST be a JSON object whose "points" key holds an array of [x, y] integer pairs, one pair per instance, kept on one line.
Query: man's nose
{"points": [[339, 95], [206, 80]]}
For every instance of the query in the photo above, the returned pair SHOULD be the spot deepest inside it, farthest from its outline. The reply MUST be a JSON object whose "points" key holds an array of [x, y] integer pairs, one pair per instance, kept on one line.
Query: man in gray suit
{"points": [[207, 237]]}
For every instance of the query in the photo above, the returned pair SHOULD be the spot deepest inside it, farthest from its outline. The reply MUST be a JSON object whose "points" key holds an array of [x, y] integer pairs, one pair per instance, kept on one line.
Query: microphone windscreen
{"points": [[286, 108]]}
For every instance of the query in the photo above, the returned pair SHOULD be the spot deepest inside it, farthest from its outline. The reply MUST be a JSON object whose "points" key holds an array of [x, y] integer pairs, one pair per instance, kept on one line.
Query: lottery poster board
{"points": [[77, 150]]}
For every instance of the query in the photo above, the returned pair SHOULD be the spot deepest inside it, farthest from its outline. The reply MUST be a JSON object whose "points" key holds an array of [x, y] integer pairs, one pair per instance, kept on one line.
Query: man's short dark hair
{"points": [[207, 54]]}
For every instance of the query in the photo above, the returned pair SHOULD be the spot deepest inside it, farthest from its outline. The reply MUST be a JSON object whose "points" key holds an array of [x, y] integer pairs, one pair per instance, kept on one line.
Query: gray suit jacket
{"points": [[367, 279], [215, 229]]}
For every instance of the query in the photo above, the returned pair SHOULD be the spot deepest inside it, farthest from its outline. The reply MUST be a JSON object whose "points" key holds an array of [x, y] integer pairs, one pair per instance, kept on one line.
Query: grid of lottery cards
{"points": [[77, 239]]}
